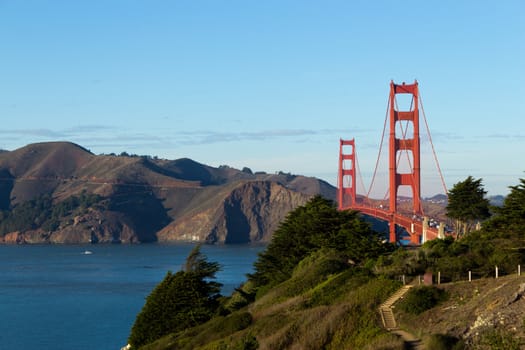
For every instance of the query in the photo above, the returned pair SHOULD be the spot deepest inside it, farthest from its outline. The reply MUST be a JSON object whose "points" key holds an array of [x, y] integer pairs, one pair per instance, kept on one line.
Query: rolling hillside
{"points": [[142, 199]]}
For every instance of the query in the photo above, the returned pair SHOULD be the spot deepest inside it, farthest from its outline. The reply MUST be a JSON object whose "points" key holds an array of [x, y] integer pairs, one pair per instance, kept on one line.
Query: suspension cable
{"points": [[433, 150], [380, 148], [358, 171]]}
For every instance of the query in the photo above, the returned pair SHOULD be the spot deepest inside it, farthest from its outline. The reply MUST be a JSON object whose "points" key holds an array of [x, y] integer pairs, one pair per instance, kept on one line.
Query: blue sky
{"points": [[271, 85]]}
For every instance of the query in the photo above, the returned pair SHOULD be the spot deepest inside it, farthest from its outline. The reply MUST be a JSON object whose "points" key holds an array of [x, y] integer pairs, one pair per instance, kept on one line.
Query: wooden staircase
{"points": [[387, 314]]}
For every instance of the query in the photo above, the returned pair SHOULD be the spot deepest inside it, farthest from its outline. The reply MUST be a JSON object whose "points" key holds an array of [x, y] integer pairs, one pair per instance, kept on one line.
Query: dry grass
{"points": [[268, 305]]}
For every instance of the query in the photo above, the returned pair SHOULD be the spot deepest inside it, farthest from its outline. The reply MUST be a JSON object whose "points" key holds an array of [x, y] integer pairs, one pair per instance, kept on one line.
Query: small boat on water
{"points": [[87, 252]]}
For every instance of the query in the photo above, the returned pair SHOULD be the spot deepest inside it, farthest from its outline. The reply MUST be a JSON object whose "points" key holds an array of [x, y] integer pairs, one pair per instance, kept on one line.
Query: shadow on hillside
{"points": [[143, 208]]}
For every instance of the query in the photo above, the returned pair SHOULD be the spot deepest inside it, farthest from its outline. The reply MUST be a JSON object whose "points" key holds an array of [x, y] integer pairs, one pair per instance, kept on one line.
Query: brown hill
{"points": [[142, 199]]}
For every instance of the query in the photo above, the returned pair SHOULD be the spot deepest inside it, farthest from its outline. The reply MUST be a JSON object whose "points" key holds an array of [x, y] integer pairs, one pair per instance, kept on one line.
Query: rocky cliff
{"points": [[249, 212]]}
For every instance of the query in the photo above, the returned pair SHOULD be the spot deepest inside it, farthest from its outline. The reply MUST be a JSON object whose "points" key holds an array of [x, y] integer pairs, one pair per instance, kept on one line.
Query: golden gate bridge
{"points": [[404, 169]]}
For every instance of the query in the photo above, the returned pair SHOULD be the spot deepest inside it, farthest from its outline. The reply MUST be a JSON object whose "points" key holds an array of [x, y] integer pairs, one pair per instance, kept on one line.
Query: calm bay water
{"points": [[58, 297]]}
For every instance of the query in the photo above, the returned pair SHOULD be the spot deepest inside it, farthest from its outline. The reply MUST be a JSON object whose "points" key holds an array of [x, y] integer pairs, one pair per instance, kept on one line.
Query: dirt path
{"points": [[410, 340]]}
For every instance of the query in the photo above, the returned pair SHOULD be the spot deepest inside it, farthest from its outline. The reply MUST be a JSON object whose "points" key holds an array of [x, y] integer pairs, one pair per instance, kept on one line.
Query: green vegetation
{"points": [[312, 227], [467, 204], [509, 220], [320, 281], [421, 299], [43, 212], [217, 332], [182, 300], [499, 340], [444, 342], [312, 288], [500, 242]]}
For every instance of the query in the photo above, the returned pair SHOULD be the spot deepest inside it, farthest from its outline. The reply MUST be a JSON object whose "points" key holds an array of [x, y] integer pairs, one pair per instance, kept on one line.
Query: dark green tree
{"points": [[510, 218], [467, 204], [318, 224], [182, 300], [43, 212]]}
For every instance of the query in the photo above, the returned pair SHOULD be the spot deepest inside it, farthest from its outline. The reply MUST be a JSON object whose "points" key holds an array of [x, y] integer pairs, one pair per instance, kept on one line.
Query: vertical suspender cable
{"points": [[433, 150], [380, 148], [358, 171]]}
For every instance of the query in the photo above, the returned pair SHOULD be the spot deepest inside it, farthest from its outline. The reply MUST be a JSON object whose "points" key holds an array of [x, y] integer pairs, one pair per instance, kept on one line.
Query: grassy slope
{"points": [[314, 309], [317, 309]]}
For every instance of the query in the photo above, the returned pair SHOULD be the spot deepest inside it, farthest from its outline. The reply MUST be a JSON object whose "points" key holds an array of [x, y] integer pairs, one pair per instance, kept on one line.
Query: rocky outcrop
{"points": [[505, 311], [92, 227], [249, 213], [13, 238], [96, 227], [474, 310]]}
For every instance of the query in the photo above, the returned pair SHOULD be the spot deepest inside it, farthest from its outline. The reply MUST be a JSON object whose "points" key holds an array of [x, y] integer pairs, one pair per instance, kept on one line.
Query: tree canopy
{"points": [[182, 300], [317, 224], [467, 204], [43, 212], [500, 242], [510, 218]]}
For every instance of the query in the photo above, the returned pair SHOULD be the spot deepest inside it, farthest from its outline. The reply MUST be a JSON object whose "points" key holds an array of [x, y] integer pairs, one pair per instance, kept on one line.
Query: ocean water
{"points": [[87, 296]]}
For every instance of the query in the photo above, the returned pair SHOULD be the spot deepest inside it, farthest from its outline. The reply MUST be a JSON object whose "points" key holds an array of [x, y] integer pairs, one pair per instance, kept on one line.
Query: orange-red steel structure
{"points": [[347, 175], [413, 177], [347, 197]]}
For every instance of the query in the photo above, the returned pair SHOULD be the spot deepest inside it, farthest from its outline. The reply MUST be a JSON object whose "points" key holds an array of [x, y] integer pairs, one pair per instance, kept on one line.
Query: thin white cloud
{"points": [[505, 136], [32, 132], [106, 137], [83, 129]]}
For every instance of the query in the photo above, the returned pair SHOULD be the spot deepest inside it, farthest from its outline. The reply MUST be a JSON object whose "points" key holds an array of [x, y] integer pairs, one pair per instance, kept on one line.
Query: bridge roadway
{"points": [[419, 234]]}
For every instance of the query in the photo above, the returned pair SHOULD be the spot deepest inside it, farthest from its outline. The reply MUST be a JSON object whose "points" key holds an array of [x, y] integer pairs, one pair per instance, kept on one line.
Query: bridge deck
{"points": [[413, 225]]}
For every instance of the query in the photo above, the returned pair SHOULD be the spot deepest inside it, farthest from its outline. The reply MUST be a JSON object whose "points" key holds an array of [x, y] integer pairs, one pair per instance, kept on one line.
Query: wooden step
{"points": [[388, 318], [397, 295]]}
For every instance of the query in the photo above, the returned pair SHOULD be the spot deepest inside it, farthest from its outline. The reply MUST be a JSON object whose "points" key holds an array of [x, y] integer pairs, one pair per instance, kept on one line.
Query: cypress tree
{"points": [[467, 204], [180, 301]]}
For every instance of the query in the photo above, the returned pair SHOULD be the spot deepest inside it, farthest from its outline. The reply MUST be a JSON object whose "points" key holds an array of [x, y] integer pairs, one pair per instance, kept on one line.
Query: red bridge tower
{"points": [[411, 178], [347, 175], [404, 170]]}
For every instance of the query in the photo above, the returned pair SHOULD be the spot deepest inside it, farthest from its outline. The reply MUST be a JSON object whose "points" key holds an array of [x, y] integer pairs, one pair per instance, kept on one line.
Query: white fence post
{"points": [[497, 271], [470, 276]]}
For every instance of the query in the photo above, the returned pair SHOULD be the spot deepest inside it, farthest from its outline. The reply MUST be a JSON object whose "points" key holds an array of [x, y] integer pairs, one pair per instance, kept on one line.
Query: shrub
{"points": [[444, 342], [500, 340], [248, 342], [421, 299]]}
